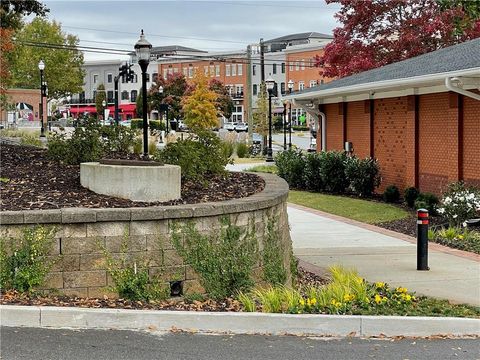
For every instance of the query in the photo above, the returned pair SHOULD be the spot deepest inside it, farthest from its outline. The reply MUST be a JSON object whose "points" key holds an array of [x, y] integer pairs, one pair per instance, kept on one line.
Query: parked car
{"points": [[181, 126], [230, 126], [241, 127], [126, 123]]}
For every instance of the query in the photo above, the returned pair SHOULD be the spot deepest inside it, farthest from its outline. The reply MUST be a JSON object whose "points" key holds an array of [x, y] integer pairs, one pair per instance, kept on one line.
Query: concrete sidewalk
{"points": [[323, 241]]}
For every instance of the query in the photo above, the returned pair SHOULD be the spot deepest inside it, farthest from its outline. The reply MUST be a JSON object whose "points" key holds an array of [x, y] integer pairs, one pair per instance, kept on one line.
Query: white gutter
{"points": [[382, 85], [449, 83]]}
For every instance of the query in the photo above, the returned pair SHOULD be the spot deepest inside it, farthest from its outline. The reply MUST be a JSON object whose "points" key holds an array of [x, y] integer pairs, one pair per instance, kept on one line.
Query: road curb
{"points": [[235, 323]]}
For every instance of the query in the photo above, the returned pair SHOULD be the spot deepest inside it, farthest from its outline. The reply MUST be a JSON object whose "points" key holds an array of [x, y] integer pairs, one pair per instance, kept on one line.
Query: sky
{"points": [[206, 25]]}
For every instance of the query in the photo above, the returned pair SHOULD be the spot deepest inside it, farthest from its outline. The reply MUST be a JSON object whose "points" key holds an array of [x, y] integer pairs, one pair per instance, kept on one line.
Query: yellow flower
{"points": [[302, 302], [308, 302], [380, 285], [401, 290], [378, 299], [460, 237], [408, 297], [348, 297], [336, 303], [313, 301]]}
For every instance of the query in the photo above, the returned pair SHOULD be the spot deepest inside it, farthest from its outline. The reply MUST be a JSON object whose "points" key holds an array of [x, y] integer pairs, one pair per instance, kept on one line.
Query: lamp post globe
{"points": [[104, 104], [142, 50], [290, 85], [270, 84], [41, 67]]}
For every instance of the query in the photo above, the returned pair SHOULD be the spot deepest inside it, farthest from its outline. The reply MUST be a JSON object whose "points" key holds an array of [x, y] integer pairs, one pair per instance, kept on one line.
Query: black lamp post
{"points": [[142, 49], [290, 88], [270, 83], [284, 125], [104, 105], [163, 107], [41, 67]]}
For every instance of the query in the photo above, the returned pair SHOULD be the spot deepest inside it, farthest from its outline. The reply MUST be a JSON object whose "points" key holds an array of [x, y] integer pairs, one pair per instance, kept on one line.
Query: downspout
{"points": [[316, 114], [324, 130], [449, 83]]}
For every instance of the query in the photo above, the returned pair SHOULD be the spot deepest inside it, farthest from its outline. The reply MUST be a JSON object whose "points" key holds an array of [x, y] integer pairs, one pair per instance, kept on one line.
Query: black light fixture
{"points": [[41, 67], [142, 50], [104, 105], [290, 88], [270, 83], [284, 114], [163, 107]]}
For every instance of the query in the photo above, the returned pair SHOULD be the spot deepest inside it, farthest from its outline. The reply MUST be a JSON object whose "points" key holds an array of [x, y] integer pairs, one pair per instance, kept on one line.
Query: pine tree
{"points": [[99, 98]]}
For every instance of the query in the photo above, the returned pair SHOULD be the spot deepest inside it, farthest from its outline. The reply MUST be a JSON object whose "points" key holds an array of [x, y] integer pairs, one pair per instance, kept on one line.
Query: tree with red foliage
{"points": [[380, 32]]}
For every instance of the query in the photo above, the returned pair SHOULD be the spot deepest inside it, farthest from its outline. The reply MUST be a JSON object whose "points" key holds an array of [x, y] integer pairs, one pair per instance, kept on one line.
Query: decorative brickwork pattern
{"points": [[358, 128], [471, 141], [334, 127]]}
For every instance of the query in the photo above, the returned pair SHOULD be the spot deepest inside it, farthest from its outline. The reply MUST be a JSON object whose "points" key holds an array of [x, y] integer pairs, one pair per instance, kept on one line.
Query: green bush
{"points": [[291, 167], [391, 194], [23, 262], [197, 158], [227, 148], [136, 124], [459, 203], [224, 259], [156, 125], [312, 174], [300, 128], [427, 201], [410, 195], [118, 139], [363, 175], [242, 150], [332, 169], [274, 271]]}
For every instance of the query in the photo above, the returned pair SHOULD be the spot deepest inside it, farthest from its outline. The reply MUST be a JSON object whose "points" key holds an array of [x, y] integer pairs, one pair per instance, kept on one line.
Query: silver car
{"points": [[241, 127]]}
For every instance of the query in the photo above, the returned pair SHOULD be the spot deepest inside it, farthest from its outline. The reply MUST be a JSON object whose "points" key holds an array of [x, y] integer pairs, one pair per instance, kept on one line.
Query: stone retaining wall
{"points": [[81, 268]]}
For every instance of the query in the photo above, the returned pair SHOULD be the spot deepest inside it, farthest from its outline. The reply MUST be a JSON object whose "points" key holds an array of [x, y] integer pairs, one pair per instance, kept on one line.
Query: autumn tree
{"points": [[378, 32], [174, 89], [224, 100], [260, 115], [199, 107], [63, 61], [100, 97]]}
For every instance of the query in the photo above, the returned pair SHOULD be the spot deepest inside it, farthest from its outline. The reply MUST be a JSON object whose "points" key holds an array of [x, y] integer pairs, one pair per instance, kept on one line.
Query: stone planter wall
{"points": [[81, 268]]}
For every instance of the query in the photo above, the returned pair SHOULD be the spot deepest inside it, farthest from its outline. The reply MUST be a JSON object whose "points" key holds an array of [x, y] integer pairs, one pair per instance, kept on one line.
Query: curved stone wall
{"points": [[81, 271]]}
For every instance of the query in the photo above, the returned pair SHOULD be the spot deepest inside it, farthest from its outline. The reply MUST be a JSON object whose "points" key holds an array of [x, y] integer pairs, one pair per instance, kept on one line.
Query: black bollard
{"points": [[422, 239]]}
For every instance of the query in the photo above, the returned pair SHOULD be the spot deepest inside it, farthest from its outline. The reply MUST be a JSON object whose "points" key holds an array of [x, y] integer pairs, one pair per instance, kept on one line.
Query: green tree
{"points": [[139, 104], [199, 107], [12, 11], [174, 89], [260, 115], [224, 100], [63, 72], [99, 98]]}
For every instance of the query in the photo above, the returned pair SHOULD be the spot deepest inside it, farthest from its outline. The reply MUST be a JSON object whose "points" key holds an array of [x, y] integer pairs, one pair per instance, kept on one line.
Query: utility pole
{"points": [[115, 79], [262, 62]]}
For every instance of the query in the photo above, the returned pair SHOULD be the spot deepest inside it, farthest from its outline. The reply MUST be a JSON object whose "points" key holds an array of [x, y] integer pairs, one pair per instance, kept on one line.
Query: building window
{"points": [[95, 78], [297, 65], [234, 69], [275, 89], [133, 96], [255, 89], [239, 89], [185, 72], [190, 72], [94, 94], [282, 88], [155, 77], [205, 70], [110, 96], [240, 69], [165, 72], [147, 75], [283, 68], [125, 95], [313, 83], [254, 70], [135, 78], [175, 70], [302, 64], [291, 66], [109, 78], [227, 70], [301, 85], [322, 81], [217, 70], [274, 68]]}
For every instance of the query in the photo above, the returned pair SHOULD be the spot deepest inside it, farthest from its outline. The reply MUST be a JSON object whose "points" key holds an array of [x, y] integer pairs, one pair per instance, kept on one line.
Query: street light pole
{"points": [[41, 67], [142, 49], [165, 107], [290, 88], [104, 104], [285, 125], [270, 85]]}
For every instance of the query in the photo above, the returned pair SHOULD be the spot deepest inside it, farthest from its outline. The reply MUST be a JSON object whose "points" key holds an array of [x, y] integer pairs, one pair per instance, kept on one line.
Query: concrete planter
{"points": [[134, 182]]}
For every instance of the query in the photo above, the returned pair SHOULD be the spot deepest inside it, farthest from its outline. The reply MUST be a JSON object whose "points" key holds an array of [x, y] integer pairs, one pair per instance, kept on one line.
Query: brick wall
{"points": [[471, 141], [334, 127], [28, 96], [358, 128]]}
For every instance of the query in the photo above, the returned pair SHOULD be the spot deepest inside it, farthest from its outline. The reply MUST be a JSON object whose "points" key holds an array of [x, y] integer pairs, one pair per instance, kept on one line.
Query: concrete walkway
{"points": [[323, 241]]}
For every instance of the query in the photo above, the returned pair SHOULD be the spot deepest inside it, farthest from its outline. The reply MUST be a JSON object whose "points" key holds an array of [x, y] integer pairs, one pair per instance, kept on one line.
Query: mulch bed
{"points": [[31, 181], [408, 225], [12, 297]]}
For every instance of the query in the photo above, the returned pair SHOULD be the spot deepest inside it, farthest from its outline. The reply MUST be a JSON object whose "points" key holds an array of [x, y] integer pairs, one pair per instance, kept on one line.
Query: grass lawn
{"points": [[237, 160], [272, 169], [370, 212]]}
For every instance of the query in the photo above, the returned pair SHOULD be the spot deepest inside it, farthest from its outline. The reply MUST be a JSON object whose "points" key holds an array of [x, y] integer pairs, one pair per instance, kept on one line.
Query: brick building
{"points": [[30, 97], [419, 117]]}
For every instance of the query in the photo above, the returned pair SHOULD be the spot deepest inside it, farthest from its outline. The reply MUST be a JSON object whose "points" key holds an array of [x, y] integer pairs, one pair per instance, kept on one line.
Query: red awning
{"points": [[130, 108], [81, 109], [124, 108]]}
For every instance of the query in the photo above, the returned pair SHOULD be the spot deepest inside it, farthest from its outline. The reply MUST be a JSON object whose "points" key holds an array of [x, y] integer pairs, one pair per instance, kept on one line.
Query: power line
{"points": [[276, 5]]}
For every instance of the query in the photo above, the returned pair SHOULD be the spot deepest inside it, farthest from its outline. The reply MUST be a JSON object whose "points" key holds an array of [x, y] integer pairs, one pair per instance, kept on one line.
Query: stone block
{"points": [[168, 273], [65, 262], [43, 216], [92, 262], [200, 210], [107, 229], [11, 217], [179, 212], [101, 293], [208, 224], [113, 214], [159, 242], [150, 213], [191, 274], [148, 227], [154, 258], [11, 231], [134, 243], [78, 279], [53, 280], [78, 215], [193, 287], [73, 230], [171, 258], [75, 292], [82, 245]]}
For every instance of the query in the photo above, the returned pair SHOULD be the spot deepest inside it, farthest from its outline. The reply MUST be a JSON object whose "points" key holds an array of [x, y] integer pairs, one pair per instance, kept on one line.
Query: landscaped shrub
{"points": [[300, 128], [23, 262], [332, 169], [156, 125], [118, 140], [363, 175], [391, 194], [224, 259], [197, 158], [274, 271], [427, 201], [136, 123], [456, 237], [242, 150], [291, 167], [460, 203], [227, 148], [312, 174], [410, 195]]}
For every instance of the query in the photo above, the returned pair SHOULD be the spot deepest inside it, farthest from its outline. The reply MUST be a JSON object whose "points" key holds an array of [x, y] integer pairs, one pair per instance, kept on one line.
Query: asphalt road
{"points": [[303, 142], [39, 344]]}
